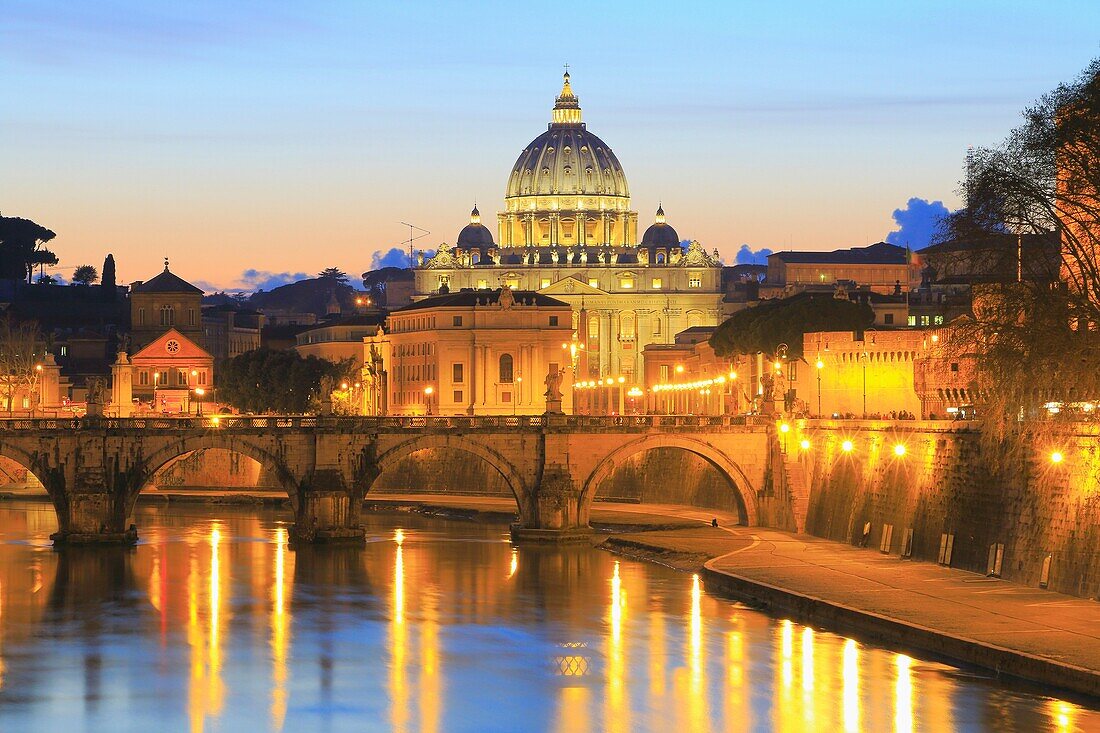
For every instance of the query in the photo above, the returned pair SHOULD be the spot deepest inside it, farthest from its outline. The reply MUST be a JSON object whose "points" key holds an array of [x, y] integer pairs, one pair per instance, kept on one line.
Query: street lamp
{"points": [[516, 397], [199, 392], [428, 397]]}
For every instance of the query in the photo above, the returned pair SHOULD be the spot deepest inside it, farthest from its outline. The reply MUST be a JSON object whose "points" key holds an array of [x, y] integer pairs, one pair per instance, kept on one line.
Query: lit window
{"points": [[444, 280], [626, 283], [657, 284], [912, 320], [512, 283], [593, 282], [938, 320], [544, 282], [695, 281], [924, 320], [482, 284]]}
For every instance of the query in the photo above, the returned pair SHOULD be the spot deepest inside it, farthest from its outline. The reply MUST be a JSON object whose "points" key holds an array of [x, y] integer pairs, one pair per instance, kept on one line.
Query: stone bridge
{"points": [[94, 468]]}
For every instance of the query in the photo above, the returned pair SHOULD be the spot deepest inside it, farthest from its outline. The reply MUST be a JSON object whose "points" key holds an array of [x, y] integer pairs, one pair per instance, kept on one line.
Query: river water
{"points": [[213, 623]]}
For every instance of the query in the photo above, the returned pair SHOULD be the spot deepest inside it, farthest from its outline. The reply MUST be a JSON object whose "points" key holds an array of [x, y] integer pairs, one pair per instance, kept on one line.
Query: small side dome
{"points": [[660, 234], [475, 234]]}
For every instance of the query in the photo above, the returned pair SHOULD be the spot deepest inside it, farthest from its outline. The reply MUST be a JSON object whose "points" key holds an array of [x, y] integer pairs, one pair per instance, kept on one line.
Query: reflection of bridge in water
{"points": [[94, 469]]}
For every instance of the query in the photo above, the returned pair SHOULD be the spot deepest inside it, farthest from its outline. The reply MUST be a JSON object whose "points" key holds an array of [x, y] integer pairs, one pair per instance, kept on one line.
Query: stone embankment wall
{"points": [[947, 483]]}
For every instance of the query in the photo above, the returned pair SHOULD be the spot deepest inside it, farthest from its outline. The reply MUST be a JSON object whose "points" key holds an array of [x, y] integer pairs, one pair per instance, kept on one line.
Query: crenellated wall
{"points": [[945, 483]]}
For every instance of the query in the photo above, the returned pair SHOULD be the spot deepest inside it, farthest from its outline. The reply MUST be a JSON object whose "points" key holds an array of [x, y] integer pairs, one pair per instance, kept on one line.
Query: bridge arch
{"points": [[177, 449], [498, 462], [726, 467]]}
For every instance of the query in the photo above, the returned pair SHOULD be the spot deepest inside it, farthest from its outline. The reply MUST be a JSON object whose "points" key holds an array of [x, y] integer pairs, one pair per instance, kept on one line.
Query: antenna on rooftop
{"points": [[411, 239]]}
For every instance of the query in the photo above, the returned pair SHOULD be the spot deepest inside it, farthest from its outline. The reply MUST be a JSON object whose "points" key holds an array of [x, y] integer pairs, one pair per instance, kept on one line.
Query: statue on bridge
{"points": [[553, 391]]}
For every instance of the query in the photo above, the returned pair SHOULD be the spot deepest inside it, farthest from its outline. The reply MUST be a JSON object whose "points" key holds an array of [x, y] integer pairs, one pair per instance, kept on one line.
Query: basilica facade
{"points": [[567, 231]]}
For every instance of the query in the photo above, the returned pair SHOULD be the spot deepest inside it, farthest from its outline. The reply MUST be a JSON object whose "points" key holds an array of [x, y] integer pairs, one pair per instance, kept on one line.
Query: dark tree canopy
{"points": [[85, 275], [764, 327], [1036, 341], [275, 381], [334, 274], [21, 248]]}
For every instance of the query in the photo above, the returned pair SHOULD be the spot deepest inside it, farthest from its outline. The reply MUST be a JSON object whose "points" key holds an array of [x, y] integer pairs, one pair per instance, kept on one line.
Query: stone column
{"points": [[122, 386], [580, 234], [555, 220]]}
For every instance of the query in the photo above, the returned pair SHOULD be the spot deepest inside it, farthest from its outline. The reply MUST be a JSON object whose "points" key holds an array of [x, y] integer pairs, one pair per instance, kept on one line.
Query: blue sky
{"points": [[286, 137]]}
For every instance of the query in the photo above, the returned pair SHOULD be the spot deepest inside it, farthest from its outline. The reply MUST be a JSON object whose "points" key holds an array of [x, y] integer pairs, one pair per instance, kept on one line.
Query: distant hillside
{"points": [[307, 296]]}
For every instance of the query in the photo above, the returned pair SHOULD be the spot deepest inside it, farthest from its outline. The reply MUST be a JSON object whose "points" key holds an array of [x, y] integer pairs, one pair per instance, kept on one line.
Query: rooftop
{"points": [[880, 253], [471, 298]]}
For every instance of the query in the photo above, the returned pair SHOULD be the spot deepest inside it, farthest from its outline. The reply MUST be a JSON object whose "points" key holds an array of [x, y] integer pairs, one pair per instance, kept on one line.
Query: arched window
{"points": [[167, 315], [694, 318], [505, 369], [626, 326]]}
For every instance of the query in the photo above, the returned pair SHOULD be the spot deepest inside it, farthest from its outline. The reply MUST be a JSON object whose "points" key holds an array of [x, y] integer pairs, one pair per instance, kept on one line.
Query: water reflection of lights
{"points": [[430, 693], [1063, 714], [617, 716], [280, 634], [903, 706], [399, 694], [851, 686], [514, 565], [699, 719], [786, 650], [808, 676]]}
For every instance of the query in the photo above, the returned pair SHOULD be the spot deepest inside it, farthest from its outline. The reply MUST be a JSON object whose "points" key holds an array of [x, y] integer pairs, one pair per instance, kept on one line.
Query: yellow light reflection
{"points": [[786, 650], [514, 566], [280, 634], [206, 692], [903, 705], [573, 710], [808, 676], [736, 710], [851, 686], [430, 691], [1063, 713], [399, 694], [699, 719], [617, 714]]}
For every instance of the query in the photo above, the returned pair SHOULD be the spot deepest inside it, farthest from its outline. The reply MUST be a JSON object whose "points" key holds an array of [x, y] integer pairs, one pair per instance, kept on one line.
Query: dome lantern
{"points": [[567, 108]]}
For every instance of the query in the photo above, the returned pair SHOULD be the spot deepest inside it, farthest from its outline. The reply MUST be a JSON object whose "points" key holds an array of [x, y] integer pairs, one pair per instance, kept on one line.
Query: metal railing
{"points": [[375, 423]]}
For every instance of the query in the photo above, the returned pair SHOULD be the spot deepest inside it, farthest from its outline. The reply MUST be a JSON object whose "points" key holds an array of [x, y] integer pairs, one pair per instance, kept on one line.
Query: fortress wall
{"points": [[944, 484]]}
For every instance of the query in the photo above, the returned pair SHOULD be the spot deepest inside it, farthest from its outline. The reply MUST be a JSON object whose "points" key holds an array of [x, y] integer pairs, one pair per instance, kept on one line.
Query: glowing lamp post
{"points": [[428, 398], [820, 365]]}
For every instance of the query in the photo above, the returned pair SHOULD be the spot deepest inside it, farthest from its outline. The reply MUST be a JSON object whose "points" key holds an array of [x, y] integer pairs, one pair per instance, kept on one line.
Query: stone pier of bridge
{"points": [[95, 469]]}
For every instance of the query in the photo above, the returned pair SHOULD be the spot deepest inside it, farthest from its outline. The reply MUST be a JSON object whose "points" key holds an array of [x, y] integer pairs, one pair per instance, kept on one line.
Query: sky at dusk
{"points": [[251, 140]]}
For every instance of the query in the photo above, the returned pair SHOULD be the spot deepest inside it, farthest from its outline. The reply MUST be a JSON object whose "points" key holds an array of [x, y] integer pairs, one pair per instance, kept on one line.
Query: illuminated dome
{"points": [[659, 233], [475, 235], [567, 188], [567, 159]]}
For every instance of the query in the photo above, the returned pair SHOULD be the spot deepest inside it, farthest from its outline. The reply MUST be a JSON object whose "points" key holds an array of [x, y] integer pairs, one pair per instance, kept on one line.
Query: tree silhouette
{"points": [[335, 274], [21, 248], [108, 282], [85, 275], [764, 327]]}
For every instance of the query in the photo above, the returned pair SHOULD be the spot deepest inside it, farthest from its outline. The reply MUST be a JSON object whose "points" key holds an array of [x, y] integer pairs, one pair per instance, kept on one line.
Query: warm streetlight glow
{"points": [[428, 391], [784, 428], [622, 380], [846, 446], [733, 375], [778, 366], [820, 364], [935, 337], [38, 367], [679, 368], [1056, 457], [200, 391], [194, 372], [899, 449], [215, 420], [343, 385], [805, 444]]}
